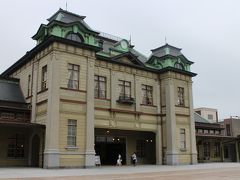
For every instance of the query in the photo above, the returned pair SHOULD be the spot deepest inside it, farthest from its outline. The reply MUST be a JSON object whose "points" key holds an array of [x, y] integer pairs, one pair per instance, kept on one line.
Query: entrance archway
{"points": [[35, 151]]}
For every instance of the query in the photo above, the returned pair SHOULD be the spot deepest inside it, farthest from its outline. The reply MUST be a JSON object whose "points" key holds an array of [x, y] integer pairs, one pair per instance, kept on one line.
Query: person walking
{"points": [[119, 160], [134, 159]]}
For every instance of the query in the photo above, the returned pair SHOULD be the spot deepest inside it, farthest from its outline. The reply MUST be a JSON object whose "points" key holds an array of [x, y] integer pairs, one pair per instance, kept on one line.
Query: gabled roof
{"points": [[132, 57], [10, 90]]}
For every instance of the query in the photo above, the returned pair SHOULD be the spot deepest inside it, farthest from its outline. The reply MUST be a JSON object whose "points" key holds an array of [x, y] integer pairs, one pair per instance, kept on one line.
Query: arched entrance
{"points": [[35, 151]]}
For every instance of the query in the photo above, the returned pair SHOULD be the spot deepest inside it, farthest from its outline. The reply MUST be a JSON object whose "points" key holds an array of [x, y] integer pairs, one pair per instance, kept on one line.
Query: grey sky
{"points": [[207, 31]]}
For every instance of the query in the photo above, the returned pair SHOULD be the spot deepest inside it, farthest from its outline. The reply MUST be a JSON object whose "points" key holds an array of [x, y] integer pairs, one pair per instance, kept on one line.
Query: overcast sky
{"points": [[207, 31]]}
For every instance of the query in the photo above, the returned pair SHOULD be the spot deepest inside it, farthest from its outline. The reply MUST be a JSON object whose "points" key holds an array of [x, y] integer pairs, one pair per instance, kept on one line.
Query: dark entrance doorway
{"points": [[108, 149], [35, 151]]}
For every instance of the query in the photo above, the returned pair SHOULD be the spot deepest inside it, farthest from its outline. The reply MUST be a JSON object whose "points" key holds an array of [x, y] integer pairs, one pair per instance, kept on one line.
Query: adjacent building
{"points": [[208, 113], [90, 93], [215, 141]]}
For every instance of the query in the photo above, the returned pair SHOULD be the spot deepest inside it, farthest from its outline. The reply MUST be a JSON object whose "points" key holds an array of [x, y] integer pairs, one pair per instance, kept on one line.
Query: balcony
{"points": [[126, 100]]}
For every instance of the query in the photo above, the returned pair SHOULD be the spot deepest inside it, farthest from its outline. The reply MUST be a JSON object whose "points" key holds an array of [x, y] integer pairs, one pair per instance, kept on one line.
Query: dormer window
{"points": [[179, 66], [74, 37]]}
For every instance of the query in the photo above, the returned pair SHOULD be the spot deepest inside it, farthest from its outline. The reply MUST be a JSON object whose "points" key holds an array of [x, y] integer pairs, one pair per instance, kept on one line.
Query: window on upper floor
{"points": [[182, 139], [29, 86], [16, 146], [73, 76], [228, 130], [179, 66], [180, 96], [147, 92], [100, 87], [44, 78], [74, 37], [125, 89], [72, 133], [210, 116]]}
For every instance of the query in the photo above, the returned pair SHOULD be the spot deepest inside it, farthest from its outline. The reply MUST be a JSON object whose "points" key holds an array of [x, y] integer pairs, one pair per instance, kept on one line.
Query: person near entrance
{"points": [[119, 160], [134, 159]]}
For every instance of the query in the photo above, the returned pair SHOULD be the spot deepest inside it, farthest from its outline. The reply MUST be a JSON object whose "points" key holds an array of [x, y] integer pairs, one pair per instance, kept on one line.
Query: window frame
{"points": [[16, 151], [71, 71], [72, 133], [44, 78], [125, 84], [146, 90], [98, 91], [180, 97], [182, 139], [29, 86]]}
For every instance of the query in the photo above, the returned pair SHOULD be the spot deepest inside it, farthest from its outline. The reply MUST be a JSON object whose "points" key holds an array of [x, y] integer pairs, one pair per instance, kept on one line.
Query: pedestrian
{"points": [[134, 159], [119, 160]]}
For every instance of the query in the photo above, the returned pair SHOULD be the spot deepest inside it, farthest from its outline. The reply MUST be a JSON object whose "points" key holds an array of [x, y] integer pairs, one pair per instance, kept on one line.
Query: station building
{"points": [[87, 93]]}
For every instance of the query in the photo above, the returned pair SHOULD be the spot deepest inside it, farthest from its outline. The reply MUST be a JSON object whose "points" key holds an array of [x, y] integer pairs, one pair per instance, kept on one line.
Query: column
{"points": [[34, 90], [51, 152], [90, 152], [222, 151], [193, 149], [159, 128], [171, 153], [113, 89], [137, 92], [237, 151]]}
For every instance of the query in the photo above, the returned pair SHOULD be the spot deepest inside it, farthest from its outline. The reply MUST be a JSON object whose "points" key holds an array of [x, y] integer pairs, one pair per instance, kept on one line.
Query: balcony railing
{"points": [[126, 100]]}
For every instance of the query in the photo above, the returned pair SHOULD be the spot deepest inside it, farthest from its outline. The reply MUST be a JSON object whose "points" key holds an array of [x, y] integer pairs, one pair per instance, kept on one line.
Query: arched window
{"points": [[179, 66], [74, 37]]}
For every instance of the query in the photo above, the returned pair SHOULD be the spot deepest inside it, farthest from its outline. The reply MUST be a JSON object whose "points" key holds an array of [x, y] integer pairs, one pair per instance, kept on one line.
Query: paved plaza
{"points": [[211, 171]]}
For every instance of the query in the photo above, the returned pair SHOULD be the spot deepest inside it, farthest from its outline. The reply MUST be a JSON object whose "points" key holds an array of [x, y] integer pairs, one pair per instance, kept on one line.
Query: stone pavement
{"points": [[210, 171]]}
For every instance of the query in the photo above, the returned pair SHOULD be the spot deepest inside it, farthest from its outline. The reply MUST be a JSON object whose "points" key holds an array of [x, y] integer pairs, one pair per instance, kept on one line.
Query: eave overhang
{"points": [[164, 70], [51, 39]]}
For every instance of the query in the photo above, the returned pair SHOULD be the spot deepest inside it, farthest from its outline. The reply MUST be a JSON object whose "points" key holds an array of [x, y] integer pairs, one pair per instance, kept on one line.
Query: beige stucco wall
{"points": [[108, 113]]}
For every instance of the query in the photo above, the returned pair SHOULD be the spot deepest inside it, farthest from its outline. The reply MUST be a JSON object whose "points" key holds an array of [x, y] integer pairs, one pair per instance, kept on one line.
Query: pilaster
{"points": [[34, 90], [237, 151], [51, 152], [171, 153], [192, 126], [159, 128], [90, 152], [113, 89]]}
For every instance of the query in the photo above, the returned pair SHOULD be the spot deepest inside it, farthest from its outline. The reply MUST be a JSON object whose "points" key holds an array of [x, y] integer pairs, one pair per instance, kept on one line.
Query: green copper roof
{"points": [[67, 25], [199, 118]]}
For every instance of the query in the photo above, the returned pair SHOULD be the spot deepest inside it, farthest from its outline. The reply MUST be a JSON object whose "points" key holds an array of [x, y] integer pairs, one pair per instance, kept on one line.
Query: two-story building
{"points": [[96, 95]]}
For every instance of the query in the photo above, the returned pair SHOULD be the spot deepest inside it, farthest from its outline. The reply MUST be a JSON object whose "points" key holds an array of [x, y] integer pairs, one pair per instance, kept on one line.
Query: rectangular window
{"points": [[29, 86], [16, 147], [210, 116], [100, 87], [125, 89], [44, 78], [147, 92], [180, 100], [73, 76], [72, 132], [228, 130], [182, 139]]}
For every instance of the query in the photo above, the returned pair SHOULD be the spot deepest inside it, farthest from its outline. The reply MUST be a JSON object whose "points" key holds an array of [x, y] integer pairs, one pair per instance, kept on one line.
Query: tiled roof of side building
{"points": [[199, 118], [10, 90]]}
